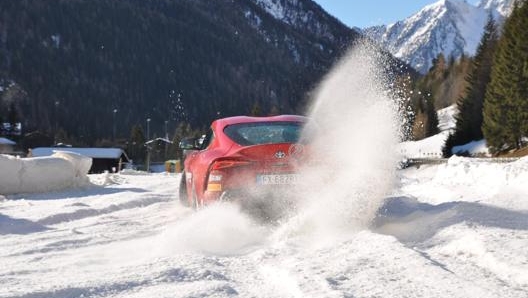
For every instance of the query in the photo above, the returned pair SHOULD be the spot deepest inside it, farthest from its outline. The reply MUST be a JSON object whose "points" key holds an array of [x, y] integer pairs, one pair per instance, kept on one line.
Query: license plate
{"points": [[274, 179]]}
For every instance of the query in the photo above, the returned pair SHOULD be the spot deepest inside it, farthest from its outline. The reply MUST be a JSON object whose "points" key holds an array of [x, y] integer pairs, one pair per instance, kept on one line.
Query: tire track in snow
{"points": [[84, 213]]}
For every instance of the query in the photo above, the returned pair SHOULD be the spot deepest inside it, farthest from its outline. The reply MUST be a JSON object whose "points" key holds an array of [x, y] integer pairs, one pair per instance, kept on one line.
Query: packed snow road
{"points": [[454, 230]]}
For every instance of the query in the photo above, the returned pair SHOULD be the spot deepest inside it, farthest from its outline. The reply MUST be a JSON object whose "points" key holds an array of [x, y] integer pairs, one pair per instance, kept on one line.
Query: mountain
{"points": [[451, 27], [306, 16], [84, 66], [499, 8]]}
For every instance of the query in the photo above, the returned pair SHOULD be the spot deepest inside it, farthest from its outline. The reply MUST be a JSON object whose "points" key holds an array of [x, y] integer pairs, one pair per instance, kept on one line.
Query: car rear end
{"points": [[263, 163]]}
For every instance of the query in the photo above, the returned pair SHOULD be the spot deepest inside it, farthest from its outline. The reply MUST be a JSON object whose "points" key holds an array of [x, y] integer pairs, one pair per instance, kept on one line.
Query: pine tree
{"points": [[136, 148], [12, 118], [439, 66], [506, 102], [1, 119], [469, 117], [183, 130], [256, 110], [432, 117], [425, 118]]}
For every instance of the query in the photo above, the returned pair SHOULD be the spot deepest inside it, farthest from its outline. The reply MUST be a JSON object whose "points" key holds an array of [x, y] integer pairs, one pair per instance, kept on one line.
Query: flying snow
{"points": [[354, 123]]}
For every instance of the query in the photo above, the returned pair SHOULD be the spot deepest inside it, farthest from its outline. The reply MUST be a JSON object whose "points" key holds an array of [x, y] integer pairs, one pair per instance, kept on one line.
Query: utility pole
{"points": [[148, 129], [166, 139], [148, 145], [114, 124], [56, 122]]}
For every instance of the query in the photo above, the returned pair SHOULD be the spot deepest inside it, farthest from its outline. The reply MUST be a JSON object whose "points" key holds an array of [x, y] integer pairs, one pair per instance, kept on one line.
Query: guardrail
{"points": [[409, 162]]}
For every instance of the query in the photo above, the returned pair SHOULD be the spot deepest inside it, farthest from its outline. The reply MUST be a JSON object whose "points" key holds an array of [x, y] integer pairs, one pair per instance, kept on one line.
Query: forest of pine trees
{"points": [[505, 114], [439, 88], [469, 119], [495, 103]]}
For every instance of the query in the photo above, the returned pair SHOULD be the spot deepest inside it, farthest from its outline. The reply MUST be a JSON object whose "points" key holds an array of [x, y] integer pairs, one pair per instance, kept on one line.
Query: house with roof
{"points": [[7, 146], [103, 159]]}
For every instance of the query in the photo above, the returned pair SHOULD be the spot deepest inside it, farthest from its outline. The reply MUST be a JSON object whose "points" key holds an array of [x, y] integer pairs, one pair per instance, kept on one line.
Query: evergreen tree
{"points": [[425, 118], [432, 118], [1, 119], [444, 83], [439, 67], [256, 110], [61, 137], [12, 118], [136, 146], [505, 121], [448, 145], [183, 130], [469, 117]]}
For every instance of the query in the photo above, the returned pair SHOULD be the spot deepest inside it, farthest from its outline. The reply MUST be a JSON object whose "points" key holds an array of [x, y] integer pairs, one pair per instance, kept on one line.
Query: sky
{"points": [[373, 12]]}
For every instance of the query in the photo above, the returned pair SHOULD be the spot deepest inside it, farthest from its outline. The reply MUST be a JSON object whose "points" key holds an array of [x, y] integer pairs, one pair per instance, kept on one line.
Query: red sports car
{"points": [[240, 157]]}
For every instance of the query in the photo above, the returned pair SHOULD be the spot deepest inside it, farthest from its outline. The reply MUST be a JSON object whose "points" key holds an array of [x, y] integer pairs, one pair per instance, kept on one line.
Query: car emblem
{"points": [[280, 154], [296, 150]]}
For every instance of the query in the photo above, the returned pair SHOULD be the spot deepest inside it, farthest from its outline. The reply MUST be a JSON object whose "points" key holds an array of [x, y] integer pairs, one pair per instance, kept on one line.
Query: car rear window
{"points": [[257, 133]]}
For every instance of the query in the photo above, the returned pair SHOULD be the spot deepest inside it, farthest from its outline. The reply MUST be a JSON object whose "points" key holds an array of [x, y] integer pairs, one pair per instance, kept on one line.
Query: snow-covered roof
{"points": [[112, 153], [158, 140], [4, 141]]}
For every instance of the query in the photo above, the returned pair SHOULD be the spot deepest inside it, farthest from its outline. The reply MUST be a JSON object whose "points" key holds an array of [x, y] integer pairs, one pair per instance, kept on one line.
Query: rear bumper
{"points": [[265, 204], [264, 193], [256, 193], [227, 195]]}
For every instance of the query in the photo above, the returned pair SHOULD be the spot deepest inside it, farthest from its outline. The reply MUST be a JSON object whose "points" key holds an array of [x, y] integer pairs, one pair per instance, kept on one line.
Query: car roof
{"points": [[222, 123]]}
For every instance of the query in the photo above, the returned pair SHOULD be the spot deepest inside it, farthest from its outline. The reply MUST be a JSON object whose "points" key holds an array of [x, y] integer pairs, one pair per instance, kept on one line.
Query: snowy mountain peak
{"points": [[500, 8], [451, 27]]}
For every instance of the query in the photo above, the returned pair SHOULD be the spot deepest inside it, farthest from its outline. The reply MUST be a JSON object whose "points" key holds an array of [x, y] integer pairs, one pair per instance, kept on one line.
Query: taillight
{"points": [[218, 170], [228, 163]]}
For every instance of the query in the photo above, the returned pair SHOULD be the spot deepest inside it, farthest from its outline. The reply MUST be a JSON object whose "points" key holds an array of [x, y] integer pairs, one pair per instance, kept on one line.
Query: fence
{"points": [[409, 162]]}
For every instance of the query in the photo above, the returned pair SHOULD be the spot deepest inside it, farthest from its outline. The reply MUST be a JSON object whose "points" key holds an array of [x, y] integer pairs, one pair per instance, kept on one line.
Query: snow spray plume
{"points": [[353, 143], [219, 229]]}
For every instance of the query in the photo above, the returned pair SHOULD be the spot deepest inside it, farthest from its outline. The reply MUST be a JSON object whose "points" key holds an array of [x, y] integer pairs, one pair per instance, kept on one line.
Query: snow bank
{"points": [[461, 170], [430, 147], [43, 174], [498, 184]]}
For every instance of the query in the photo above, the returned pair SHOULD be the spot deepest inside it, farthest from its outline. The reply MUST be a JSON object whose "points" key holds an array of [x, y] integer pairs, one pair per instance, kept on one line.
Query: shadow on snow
{"points": [[73, 193], [9, 225], [412, 222]]}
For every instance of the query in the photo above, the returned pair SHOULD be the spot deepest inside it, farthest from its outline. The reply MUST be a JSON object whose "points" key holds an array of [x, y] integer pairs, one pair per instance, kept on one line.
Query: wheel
{"points": [[184, 200]]}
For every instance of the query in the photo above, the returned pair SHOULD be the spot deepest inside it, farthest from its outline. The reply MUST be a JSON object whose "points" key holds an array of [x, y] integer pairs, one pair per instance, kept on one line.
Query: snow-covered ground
{"points": [[453, 230]]}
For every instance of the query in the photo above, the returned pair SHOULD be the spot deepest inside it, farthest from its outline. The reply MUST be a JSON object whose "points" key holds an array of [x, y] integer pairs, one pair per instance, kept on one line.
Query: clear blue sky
{"points": [[365, 13]]}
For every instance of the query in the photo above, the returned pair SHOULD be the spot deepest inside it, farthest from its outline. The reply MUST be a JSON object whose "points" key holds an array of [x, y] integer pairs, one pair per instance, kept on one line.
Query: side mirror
{"points": [[190, 144]]}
